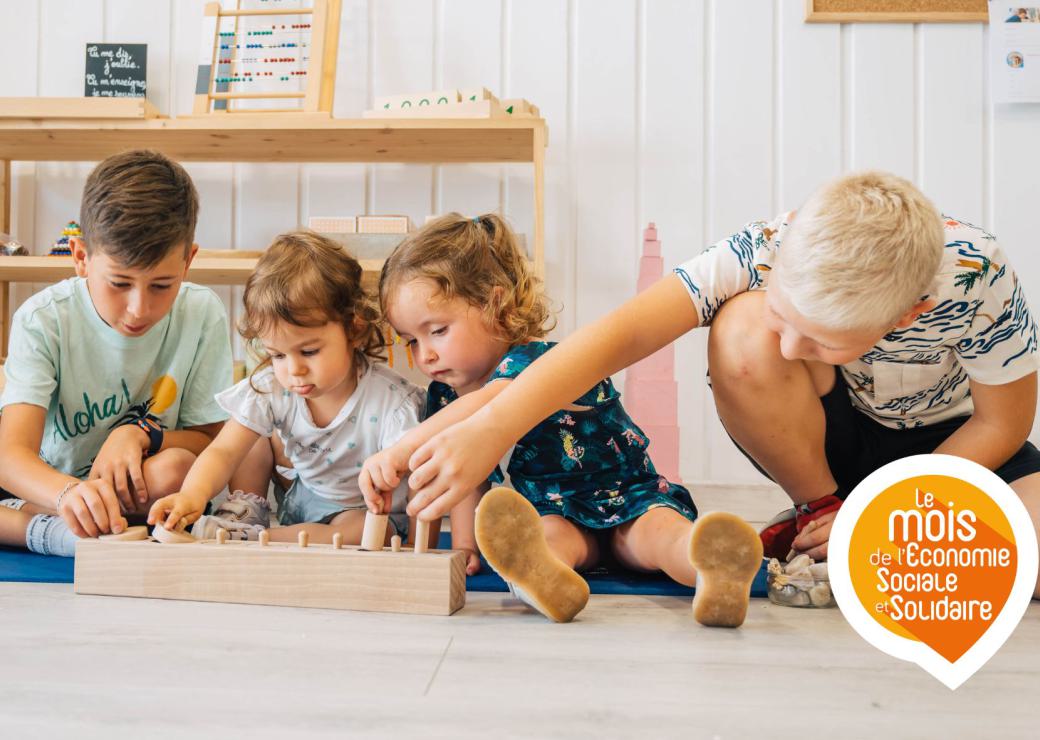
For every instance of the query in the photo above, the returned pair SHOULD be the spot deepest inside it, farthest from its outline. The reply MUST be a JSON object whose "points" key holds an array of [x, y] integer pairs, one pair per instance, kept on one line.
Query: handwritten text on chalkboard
{"points": [[116, 71]]}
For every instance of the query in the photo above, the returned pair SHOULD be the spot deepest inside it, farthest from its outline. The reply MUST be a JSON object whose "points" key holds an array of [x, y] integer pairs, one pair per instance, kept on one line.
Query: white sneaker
{"points": [[205, 528], [245, 508], [520, 595]]}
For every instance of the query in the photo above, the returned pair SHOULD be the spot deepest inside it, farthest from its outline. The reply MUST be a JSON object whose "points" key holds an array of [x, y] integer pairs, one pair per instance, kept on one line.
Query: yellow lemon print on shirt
{"points": [[164, 393]]}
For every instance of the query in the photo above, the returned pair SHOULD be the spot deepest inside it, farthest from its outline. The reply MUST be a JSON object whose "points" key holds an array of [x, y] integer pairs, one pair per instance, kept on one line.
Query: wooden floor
{"points": [[92, 666]]}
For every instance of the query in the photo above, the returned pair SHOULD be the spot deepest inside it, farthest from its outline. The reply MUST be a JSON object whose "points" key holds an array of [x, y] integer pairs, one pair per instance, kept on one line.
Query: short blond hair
{"points": [[861, 252], [477, 260]]}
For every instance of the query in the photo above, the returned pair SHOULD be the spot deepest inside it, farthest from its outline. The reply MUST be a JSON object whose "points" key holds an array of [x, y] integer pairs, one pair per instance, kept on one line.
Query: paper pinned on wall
{"points": [[1014, 52]]}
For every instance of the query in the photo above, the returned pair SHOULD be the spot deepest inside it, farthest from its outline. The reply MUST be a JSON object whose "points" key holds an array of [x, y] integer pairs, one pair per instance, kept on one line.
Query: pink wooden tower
{"points": [[651, 393]]}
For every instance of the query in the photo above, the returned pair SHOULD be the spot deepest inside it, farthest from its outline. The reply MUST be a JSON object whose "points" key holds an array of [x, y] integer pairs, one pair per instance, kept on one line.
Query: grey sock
{"points": [[48, 534]]}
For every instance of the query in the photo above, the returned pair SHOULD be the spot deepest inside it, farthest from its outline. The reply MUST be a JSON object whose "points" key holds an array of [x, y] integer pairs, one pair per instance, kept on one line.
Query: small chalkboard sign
{"points": [[116, 71]]}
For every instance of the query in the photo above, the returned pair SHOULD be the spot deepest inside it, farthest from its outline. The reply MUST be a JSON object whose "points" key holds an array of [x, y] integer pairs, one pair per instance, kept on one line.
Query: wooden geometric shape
{"points": [[172, 537], [374, 534], [652, 402], [384, 224], [132, 534]]}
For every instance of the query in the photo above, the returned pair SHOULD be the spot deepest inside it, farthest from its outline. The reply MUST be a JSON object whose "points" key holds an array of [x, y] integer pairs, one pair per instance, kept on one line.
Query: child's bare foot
{"points": [[509, 533], [727, 553]]}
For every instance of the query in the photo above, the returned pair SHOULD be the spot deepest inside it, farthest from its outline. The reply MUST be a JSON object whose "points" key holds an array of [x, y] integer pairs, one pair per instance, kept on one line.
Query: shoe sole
{"points": [[727, 554], [510, 536]]}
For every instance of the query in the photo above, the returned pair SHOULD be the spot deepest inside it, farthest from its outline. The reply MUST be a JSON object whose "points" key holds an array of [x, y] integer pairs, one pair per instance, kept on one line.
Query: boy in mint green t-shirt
{"points": [[111, 375]]}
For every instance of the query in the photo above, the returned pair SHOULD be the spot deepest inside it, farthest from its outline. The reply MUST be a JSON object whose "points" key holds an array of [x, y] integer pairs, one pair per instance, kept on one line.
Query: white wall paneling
{"points": [[403, 41], [536, 66], [740, 116], [699, 116]]}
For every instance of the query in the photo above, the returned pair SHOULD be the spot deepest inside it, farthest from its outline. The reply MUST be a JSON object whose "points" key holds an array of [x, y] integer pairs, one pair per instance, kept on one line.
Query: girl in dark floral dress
{"points": [[460, 293]]}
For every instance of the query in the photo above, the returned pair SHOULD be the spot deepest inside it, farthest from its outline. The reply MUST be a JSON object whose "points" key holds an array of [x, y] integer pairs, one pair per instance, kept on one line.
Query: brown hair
{"points": [[137, 206], [470, 258], [305, 279]]}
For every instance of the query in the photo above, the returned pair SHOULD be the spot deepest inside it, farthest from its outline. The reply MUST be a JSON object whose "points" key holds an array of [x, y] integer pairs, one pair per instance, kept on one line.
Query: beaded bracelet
{"points": [[65, 490]]}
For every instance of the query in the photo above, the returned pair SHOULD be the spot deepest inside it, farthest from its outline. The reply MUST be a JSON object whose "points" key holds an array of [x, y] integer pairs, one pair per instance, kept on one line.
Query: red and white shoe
{"points": [[779, 533]]}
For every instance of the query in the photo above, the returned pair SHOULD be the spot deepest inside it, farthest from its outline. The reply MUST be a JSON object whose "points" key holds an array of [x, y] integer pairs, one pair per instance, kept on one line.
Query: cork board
{"points": [[895, 11]]}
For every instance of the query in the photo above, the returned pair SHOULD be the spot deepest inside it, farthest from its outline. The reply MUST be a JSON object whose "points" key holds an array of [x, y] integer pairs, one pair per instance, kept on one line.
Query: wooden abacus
{"points": [[301, 49], [336, 576]]}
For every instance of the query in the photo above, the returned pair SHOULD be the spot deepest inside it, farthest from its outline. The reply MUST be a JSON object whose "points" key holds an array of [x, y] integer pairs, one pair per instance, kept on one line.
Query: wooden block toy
{"points": [[303, 539], [277, 574], [430, 98], [658, 366], [656, 401], [264, 538], [127, 535], [650, 270], [395, 543], [222, 536], [473, 94], [374, 534], [472, 109], [384, 224], [422, 536], [333, 224], [664, 449], [651, 393], [651, 244], [520, 108], [337, 540]]}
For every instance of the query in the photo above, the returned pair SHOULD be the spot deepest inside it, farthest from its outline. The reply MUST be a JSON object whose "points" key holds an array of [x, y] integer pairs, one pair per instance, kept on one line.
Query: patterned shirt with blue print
{"points": [[980, 329]]}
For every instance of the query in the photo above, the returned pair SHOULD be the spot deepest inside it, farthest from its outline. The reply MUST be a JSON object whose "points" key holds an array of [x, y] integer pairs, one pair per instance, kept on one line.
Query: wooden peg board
{"points": [[277, 574]]}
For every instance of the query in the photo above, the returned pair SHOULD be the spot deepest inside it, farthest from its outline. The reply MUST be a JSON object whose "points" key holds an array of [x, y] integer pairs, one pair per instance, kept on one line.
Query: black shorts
{"points": [[856, 445]]}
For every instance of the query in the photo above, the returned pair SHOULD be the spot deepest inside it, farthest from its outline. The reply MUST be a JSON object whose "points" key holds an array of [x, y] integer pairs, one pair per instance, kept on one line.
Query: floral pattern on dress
{"points": [[589, 465]]}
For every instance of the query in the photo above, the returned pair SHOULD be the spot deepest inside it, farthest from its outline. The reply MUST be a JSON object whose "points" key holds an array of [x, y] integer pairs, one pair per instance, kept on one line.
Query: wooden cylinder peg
{"points": [[264, 538], [374, 534], [222, 536], [422, 536], [395, 543], [302, 539], [337, 540]]}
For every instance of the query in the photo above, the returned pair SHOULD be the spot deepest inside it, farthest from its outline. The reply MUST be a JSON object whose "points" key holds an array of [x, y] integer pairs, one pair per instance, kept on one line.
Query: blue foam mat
{"points": [[22, 566], [27, 567]]}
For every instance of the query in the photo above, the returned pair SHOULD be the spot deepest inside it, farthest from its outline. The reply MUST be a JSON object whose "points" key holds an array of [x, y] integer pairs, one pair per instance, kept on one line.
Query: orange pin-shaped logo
{"points": [[933, 559]]}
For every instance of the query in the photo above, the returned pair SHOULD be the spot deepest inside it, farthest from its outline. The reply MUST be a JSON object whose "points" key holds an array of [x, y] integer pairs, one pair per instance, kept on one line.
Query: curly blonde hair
{"points": [[477, 260], [305, 279]]}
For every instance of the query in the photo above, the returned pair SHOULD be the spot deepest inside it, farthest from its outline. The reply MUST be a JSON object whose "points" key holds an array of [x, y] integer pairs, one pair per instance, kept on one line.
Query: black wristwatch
{"points": [[155, 435]]}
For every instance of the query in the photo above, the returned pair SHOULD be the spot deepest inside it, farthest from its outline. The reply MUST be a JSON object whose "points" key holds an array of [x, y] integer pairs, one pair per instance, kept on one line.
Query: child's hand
{"points": [[181, 507], [812, 540], [91, 508], [119, 463], [472, 558], [381, 475], [451, 466]]}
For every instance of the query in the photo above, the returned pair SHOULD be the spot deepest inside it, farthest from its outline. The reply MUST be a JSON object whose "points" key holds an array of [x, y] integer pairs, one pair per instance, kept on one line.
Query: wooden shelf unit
{"points": [[204, 270], [261, 138]]}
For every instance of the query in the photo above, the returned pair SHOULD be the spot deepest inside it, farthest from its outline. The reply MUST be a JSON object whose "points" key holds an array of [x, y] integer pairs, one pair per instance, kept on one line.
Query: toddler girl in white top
{"points": [[318, 405]]}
